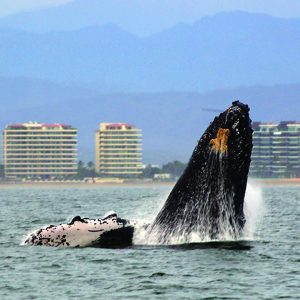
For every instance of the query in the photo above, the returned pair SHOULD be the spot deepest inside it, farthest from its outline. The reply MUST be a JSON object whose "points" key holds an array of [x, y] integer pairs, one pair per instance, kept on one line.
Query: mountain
{"points": [[172, 122], [140, 17], [84, 13], [218, 52], [28, 93]]}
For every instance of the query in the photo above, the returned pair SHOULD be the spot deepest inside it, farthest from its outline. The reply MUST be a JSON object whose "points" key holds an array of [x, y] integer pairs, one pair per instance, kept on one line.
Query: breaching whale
{"points": [[207, 199]]}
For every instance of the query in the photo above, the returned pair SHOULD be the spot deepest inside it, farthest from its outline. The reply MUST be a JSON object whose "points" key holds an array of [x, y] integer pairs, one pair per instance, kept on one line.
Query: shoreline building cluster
{"points": [[276, 149], [118, 150], [43, 151]]}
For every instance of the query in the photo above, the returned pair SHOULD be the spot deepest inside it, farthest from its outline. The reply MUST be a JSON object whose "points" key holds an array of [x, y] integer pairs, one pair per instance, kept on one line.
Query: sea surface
{"points": [[263, 265]]}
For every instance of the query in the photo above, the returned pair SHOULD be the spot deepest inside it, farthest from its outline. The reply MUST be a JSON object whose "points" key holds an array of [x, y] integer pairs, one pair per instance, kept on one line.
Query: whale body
{"points": [[207, 199]]}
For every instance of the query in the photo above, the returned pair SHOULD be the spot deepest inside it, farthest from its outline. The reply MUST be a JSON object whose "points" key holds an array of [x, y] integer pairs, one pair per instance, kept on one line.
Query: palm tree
{"points": [[91, 165], [80, 164]]}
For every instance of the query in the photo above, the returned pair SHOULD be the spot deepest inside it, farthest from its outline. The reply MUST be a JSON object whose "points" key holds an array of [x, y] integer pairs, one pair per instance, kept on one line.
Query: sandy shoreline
{"points": [[83, 184], [276, 181], [255, 181]]}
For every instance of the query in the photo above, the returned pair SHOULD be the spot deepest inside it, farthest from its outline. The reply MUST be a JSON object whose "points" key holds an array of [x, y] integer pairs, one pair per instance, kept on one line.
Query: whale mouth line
{"points": [[205, 205]]}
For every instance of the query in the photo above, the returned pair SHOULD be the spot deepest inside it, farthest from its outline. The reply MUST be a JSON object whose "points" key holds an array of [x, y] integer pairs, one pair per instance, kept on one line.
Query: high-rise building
{"points": [[276, 149], [35, 150], [118, 150]]}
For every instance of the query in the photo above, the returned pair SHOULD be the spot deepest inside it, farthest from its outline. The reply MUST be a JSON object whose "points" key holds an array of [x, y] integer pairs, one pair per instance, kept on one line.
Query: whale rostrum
{"points": [[209, 196], [207, 200]]}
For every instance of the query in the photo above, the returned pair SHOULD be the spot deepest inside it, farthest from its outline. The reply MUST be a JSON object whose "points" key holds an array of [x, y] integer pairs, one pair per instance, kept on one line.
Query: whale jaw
{"points": [[208, 198]]}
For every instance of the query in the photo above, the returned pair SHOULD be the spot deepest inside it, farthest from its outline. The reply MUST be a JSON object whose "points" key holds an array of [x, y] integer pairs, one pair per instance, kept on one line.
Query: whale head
{"points": [[208, 198]]}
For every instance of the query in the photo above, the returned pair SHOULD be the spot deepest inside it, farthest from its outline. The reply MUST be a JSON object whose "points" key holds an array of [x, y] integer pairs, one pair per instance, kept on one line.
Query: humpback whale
{"points": [[207, 199]]}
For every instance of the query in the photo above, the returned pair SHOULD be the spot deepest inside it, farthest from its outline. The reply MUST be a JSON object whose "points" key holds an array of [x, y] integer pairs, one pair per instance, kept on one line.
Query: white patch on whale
{"points": [[80, 232]]}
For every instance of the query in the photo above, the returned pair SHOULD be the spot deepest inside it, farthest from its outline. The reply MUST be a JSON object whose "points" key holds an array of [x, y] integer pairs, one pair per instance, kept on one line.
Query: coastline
{"points": [[81, 184], [275, 181], [264, 182]]}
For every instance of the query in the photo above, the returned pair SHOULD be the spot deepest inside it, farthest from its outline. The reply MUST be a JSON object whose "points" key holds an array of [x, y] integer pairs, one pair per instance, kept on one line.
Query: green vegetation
{"points": [[175, 168], [1, 171], [149, 171], [84, 170], [87, 170]]}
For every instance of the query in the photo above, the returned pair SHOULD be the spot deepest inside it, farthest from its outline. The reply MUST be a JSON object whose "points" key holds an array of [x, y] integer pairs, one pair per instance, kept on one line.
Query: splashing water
{"points": [[253, 210], [207, 201]]}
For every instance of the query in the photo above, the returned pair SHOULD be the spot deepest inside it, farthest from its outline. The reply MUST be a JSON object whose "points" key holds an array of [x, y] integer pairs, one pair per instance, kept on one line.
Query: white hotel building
{"points": [[118, 150], [276, 149], [35, 150]]}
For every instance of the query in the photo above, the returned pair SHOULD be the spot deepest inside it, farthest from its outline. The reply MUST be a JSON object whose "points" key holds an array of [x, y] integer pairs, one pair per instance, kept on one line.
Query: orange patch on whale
{"points": [[219, 144]]}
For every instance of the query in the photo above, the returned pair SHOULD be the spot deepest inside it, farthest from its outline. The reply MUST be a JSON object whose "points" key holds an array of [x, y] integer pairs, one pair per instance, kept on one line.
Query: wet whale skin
{"points": [[209, 196]]}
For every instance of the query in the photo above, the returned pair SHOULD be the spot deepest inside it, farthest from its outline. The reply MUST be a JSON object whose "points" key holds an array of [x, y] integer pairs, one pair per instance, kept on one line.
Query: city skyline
{"points": [[110, 130]]}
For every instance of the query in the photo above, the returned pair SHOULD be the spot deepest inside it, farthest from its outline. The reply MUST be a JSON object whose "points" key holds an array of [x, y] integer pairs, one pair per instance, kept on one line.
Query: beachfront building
{"points": [[276, 149], [34, 150], [118, 150]]}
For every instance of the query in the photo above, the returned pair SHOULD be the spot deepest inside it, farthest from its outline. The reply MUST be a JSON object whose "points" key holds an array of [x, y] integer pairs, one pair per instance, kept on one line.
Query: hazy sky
{"points": [[187, 9], [15, 6]]}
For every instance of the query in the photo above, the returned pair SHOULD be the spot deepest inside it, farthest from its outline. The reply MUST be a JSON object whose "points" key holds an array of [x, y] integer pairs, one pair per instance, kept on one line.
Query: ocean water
{"points": [[265, 264]]}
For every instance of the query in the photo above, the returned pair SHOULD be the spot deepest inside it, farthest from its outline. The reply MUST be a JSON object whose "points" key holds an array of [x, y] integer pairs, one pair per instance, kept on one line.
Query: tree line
{"points": [[174, 168]]}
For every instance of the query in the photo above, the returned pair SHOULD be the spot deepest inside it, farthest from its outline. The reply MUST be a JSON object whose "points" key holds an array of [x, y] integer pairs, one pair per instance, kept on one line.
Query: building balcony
{"points": [[120, 173], [40, 156]]}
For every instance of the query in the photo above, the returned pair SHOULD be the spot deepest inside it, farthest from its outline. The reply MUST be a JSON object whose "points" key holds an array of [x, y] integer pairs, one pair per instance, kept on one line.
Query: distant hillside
{"points": [[222, 51], [171, 122]]}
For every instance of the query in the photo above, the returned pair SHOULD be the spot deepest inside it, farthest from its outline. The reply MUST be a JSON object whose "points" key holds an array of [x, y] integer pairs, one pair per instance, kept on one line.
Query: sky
{"points": [[8, 7], [190, 8], [150, 16]]}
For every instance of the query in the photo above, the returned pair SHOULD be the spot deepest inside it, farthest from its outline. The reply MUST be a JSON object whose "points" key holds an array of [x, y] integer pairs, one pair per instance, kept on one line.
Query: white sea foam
{"points": [[253, 209]]}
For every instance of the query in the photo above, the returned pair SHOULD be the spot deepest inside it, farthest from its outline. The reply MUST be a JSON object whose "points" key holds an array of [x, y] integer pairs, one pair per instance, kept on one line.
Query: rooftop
{"points": [[116, 126], [283, 125], [36, 125]]}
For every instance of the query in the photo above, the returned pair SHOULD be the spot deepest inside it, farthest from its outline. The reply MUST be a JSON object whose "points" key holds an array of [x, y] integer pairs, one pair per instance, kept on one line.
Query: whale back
{"points": [[209, 196]]}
